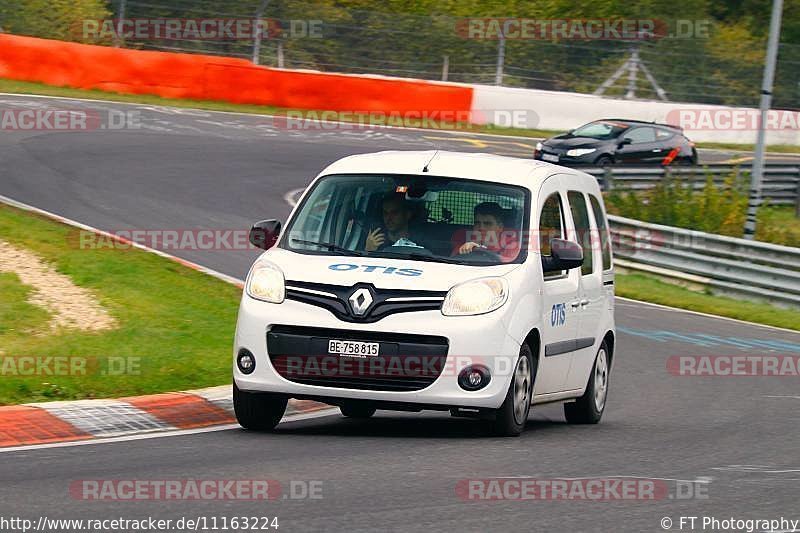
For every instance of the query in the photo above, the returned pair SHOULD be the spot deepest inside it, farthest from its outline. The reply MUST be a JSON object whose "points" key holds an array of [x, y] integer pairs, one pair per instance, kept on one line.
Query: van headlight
{"points": [[266, 282], [539, 147], [577, 152], [475, 297]]}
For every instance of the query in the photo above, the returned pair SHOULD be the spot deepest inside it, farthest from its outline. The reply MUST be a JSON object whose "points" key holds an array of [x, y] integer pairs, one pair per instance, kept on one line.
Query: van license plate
{"points": [[354, 348], [550, 157]]}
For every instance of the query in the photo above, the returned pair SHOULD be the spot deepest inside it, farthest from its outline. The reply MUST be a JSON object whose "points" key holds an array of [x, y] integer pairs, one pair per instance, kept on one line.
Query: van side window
{"points": [[602, 227], [580, 215], [551, 226]]}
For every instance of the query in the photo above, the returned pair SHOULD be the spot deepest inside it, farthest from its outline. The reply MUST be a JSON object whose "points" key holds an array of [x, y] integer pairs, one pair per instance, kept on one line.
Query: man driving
{"points": [[397, 214]]}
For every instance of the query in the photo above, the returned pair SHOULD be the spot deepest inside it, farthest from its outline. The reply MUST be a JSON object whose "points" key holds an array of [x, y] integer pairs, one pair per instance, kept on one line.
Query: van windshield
{"points": [[423, 218]]}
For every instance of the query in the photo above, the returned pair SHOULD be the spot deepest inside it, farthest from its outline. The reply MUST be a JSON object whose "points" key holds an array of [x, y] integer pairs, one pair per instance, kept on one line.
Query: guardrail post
{"points": [[608, 179], [797, 200]]}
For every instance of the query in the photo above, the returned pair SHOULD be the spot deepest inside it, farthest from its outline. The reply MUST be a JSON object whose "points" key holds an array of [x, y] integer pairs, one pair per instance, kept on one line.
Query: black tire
{"points": [[587, 410], [508, 421], [258, 411], [357, 410], [604, 161]]}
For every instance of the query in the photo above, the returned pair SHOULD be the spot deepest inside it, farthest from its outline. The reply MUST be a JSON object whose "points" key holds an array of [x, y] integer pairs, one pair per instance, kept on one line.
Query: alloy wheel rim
{"points": [[600, 381], [522, 380]]}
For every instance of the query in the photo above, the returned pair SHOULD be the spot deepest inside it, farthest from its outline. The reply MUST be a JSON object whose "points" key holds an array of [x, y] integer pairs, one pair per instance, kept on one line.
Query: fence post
{"points": [[501, 59], [445, 67], [118, 41], [258, 33], [797, 200]]}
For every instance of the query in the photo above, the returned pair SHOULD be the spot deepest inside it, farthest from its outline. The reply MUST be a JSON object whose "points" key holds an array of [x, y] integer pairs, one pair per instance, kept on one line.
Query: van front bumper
{"points": [[407, 340]]}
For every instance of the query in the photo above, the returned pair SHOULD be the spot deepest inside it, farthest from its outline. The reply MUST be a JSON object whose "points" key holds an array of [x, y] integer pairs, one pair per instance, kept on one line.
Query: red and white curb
{"points": [[81, 420]]}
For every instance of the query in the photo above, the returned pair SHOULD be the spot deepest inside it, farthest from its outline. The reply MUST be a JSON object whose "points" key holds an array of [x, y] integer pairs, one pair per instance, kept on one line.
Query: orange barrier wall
{"points": [[216, 78]]}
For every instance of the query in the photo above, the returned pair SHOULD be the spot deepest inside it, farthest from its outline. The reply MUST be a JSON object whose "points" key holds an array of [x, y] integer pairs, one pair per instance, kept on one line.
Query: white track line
{"points": [[20, 205]]}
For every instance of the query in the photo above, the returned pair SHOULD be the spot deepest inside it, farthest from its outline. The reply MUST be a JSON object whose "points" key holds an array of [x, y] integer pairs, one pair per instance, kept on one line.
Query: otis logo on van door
{"points": [[558, 315], [347, 267]]}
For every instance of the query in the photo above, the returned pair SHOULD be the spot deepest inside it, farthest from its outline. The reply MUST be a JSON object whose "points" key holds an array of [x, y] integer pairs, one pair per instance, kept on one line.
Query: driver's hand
{"points": [[375, 239], [467, 247]]}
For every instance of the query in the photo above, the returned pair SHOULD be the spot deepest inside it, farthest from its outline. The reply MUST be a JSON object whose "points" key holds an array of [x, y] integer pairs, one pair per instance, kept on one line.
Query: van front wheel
{"points": [[511, 417], [258, 411]]}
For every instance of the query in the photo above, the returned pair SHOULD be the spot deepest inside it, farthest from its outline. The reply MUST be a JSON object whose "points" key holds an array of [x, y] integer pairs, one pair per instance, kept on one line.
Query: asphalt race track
{"points": [[733, 440]]}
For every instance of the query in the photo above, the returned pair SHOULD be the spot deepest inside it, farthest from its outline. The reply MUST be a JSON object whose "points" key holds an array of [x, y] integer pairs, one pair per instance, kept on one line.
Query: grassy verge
{"points": [[651, 289], [175, 324], [21, 87]]}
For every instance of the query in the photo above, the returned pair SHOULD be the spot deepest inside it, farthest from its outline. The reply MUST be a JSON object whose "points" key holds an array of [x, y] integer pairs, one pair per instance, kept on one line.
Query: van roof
{"points": [[469, 165]]}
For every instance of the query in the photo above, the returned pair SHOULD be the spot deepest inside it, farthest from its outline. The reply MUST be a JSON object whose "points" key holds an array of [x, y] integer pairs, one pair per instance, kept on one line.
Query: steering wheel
{"points": [[480, 252]]}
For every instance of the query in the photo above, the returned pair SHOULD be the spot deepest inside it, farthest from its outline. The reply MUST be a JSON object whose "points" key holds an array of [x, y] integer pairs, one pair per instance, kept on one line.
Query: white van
{"points": [[463, 282]]}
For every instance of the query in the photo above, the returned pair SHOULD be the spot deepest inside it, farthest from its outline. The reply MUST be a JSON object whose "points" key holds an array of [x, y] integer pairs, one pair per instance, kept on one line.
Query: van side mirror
{"points": [[264, 234], [624, 142], [565, 255]]}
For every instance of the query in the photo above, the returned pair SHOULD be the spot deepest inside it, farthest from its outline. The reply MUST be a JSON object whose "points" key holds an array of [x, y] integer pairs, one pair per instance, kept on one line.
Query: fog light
{"points": [[474, 377], [246, 361]]}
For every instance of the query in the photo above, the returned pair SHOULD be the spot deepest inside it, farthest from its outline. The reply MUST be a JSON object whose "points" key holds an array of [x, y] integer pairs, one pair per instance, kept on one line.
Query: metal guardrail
{"points": [[727, 265], [781, 185]]}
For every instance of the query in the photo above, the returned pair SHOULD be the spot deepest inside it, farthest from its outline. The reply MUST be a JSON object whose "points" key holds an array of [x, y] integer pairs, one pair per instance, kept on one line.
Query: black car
{"points": [[618, 142]]}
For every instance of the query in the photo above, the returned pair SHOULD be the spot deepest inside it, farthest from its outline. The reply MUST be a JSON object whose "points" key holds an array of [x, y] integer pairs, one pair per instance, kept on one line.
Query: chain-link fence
{"points": [[696, 60]]}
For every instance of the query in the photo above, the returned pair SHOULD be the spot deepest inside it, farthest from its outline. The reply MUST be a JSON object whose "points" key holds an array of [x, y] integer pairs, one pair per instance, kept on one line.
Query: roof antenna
{"points": [[435, 153], [425, 168]]}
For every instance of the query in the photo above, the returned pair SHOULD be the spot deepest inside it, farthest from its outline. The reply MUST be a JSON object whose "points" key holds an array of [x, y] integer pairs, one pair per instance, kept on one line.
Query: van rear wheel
{"points": [[258, 411], [511, 417], [589, 407]]}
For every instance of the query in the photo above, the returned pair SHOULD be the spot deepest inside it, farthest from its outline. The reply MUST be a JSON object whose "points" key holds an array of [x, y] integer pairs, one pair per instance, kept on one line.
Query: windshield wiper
{"points": [[330, 247]]}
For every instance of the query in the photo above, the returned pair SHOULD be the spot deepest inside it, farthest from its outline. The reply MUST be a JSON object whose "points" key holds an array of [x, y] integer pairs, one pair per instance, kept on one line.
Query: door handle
{"points": [[576, 304], [584, 303], [656, 149]]}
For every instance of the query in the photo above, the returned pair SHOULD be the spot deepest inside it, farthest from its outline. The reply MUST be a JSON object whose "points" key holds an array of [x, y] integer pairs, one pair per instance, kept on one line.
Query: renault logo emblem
{"points": [[360, 301]]}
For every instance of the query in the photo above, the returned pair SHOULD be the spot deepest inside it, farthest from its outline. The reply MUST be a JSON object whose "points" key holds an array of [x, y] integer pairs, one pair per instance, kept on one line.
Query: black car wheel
{"points": [[604, 161]]}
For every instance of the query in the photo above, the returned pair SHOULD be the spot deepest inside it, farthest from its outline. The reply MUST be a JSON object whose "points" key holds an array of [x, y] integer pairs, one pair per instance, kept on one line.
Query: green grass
{"points": [[175, 324], [651, 289], [22, 87], [780, 225]]}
